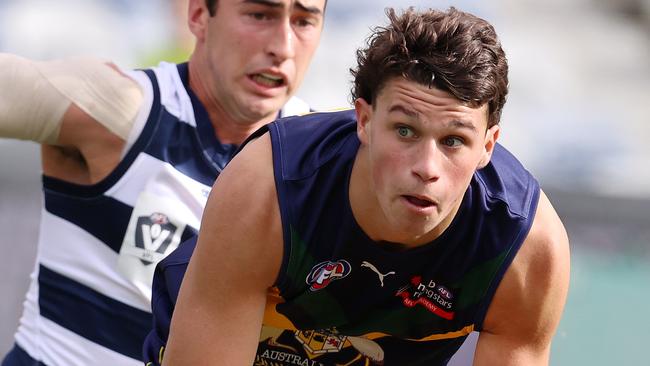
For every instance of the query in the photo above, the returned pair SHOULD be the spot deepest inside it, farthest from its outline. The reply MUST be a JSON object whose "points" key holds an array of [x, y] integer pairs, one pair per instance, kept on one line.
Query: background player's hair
{"points": [[452, 50]]}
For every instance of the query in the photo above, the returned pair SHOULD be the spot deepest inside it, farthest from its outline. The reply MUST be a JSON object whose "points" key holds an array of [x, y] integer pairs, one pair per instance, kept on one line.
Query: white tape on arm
{"points": [[35, 95], [100, 90], [30, 107]]}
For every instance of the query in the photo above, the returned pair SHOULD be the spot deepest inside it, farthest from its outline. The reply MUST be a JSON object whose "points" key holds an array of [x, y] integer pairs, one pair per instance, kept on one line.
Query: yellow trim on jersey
{"points": [[271, 317], [434, 337], [160, 354], [276, 320]]}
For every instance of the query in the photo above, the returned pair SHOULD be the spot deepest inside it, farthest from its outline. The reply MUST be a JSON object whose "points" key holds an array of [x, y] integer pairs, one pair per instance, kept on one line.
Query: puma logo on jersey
{"points": [[379, 274]]}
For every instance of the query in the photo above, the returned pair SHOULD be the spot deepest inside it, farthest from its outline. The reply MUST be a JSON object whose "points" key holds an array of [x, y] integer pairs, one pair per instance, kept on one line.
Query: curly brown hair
{"points": [[452, 50]]}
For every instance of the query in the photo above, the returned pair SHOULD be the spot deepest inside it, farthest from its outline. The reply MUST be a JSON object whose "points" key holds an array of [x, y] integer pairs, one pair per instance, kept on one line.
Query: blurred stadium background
{"points": [[578, 116]]}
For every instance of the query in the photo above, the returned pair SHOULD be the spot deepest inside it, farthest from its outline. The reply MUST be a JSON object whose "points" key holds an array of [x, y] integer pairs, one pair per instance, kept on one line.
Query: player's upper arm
{"points": [[220, 308], [36, 99], [528, 304]]}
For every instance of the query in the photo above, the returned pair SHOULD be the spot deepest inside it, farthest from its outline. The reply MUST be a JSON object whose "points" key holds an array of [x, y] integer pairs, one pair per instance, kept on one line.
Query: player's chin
{"points": [[418, 227], [259, 108]]}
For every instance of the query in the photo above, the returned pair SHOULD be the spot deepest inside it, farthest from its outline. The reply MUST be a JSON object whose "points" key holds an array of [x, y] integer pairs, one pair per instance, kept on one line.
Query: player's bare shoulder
{"points": [[243, 208], [236, 260], [528, 303]]}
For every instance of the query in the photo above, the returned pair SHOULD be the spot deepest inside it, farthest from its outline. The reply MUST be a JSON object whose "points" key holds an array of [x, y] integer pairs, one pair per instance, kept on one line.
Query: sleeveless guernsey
{"points": [[89, 299], [342, 298]]}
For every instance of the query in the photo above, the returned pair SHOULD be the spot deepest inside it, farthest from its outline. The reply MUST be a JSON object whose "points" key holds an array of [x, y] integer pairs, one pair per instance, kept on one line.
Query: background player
{"points": [[128, 160]]}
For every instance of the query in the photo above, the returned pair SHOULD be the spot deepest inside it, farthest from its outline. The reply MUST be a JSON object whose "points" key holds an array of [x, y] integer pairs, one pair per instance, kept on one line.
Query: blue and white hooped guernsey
{"points": [[89, 298]]}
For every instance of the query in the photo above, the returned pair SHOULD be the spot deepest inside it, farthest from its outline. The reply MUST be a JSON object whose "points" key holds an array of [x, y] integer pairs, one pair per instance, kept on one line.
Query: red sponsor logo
{"points": [[433, 296]]}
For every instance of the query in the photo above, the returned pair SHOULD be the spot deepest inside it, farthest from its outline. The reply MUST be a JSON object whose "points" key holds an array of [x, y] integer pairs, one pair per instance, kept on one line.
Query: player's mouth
{"points": [[419, 202], [268, 80]]}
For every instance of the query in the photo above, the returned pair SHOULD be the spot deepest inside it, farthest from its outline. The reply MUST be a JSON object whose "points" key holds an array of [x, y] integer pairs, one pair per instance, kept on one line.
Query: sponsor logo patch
{"points": [[322, 274], [435, 297]]}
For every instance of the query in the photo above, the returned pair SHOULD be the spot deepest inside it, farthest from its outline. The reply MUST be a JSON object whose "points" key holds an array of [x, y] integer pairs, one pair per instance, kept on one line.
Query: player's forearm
{"points": [[215, 343], [498, 350], [214, 323], [512, 360]]}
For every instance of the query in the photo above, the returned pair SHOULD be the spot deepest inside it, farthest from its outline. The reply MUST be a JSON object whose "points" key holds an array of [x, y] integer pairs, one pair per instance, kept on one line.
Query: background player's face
{"points": [[258, 51], [422, 147]]}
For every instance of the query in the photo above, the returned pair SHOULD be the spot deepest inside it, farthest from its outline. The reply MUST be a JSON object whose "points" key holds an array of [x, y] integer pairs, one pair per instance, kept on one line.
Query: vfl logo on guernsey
{"points": [[153, 234], [325, 272], [435, 297]]}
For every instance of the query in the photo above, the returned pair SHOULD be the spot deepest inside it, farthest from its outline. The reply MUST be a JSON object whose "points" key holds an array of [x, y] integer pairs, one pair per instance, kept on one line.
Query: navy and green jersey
{"points": [[342, 298]]}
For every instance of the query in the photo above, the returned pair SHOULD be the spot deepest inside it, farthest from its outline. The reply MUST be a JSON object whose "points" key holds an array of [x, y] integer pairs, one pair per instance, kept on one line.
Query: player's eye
{"points": [[453, 141], [259, 16], [304, 22], [405, 132]]}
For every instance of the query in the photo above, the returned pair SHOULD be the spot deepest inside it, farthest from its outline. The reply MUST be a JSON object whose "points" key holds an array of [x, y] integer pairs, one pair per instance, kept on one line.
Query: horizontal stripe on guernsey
{"points": [[134, 181], [85, 216], [91, 264], [92, 315], [18, 357], [118, 202], [58, 346]]}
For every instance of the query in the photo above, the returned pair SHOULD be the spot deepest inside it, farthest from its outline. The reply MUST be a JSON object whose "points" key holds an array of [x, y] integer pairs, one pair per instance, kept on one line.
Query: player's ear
{"points": [[364, 114], [197, 18], [491, 136]]}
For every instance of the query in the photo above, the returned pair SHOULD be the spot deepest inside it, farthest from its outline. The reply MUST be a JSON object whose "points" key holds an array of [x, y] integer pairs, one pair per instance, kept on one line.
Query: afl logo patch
{"points": [[325, 272]]}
